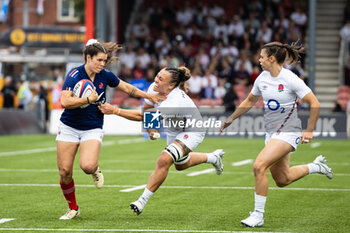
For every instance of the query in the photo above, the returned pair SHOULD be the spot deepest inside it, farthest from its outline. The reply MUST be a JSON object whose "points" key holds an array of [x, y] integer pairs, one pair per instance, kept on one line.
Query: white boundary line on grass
{"points": [[40, 150], [315, 144], [133, 189], [130, 230], [181, 187], [197, 173], [133, 171], [32, 151], [3, 220], [243, 162]]}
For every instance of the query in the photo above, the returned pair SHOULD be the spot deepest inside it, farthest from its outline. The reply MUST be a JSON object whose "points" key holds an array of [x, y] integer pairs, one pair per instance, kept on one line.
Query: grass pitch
{"points": [[30, 193]]}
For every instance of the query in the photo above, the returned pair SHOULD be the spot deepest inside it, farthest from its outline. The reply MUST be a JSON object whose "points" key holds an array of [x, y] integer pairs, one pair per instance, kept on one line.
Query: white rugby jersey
{"points": [[280, 100], [177, 106]]}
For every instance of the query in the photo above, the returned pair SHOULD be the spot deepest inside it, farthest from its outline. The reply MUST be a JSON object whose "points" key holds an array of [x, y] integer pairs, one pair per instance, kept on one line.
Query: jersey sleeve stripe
{"points": [[72, 72]]}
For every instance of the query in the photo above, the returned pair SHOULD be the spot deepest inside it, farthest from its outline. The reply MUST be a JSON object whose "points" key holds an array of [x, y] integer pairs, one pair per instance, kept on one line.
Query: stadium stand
{"points": [[220, 39]]}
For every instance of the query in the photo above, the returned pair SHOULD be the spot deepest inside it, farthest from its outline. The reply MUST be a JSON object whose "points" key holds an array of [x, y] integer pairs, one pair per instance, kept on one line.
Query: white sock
{"points": [[145, 196], [260, 202], [211, 158], [313, 168]]}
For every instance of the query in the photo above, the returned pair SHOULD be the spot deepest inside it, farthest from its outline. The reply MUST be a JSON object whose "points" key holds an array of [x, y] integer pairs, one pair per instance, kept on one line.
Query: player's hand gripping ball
{"points": [[83, 89]]}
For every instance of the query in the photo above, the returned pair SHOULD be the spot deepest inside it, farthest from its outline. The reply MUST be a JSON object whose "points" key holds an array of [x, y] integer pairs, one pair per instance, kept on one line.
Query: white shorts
{"points": [[68, 134], [191, 139], [292, 138]]}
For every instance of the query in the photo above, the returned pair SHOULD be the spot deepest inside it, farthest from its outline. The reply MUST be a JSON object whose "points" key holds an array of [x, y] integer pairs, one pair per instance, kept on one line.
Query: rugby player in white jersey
{"points": [[280, 89], [170, 82]]}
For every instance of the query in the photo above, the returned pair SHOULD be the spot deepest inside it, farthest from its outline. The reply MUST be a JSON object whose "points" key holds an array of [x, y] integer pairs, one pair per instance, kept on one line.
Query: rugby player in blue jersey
{"points": [[82, 127]]}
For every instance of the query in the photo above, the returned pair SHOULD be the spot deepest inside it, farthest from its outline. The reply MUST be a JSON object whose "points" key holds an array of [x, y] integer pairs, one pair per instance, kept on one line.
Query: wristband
{"points": [[118, 111], [88, 100]]}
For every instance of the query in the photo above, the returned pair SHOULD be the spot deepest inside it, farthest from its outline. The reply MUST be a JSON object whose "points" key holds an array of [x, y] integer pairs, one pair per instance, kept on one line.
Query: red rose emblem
{"points": [[280, 88]]}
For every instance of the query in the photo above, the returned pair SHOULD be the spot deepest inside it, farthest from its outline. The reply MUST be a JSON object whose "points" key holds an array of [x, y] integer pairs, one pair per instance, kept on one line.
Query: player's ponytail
{"points": [[179, 76], [282, 51]]}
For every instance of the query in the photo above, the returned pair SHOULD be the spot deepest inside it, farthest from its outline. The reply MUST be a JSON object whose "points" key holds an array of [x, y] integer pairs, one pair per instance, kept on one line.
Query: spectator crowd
{"points": [[221, 49]]}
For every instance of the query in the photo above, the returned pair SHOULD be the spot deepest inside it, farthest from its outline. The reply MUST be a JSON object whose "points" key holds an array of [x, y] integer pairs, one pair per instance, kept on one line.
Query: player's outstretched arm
{"points": [[135, 92], [244, 107], [133, 115]]}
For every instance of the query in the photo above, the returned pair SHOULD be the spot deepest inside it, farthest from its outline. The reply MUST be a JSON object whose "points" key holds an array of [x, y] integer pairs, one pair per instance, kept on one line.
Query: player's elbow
{"points": [[63, 104], [315, 104]]}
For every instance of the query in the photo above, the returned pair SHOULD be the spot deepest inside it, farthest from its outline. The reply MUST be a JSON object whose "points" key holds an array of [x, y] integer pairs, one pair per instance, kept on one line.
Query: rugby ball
{"points": [[83, 89]]}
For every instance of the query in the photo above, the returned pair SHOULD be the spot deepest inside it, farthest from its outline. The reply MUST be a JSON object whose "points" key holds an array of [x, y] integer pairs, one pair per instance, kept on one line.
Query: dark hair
{"points": [[104, 47], [179, 76], [280, 51]]}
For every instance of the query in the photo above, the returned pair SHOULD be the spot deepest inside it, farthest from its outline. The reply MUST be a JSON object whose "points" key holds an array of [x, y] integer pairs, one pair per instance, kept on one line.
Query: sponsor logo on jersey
{"points": [[101, 85], [186, 136], [280, 88], [264, 87]]}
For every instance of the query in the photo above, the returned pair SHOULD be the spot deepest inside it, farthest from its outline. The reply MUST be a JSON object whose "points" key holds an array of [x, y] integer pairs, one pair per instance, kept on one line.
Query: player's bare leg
{"points": [[66, 152], [274, 151], [154, 182], [89, 154]]}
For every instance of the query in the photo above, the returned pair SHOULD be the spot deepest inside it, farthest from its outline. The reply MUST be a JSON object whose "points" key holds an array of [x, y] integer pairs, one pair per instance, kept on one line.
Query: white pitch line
{"points": [[315, 144], [243, 162], [130, 230], [76, 170], [342, 164], [182, 187], [32, 151], [108, 143], [128, 141], [136, 171], [111, 171], [210, 170], [133, 188], [41, 150], [3, 220]]}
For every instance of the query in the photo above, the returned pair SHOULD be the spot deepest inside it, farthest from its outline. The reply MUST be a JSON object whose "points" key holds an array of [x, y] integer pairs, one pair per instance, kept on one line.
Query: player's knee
{"points": [[163, 163], [282, 182], [88, 168], [258, 168], [65, 173], [180, 167]]}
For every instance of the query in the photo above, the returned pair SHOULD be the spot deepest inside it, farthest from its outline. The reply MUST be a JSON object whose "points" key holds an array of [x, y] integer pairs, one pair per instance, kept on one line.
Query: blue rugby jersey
{"points": [[89, 117]]}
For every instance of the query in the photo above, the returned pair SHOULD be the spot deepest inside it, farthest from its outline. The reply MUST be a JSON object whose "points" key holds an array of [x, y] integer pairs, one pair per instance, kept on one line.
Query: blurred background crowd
{"points": [[220, 43]]}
